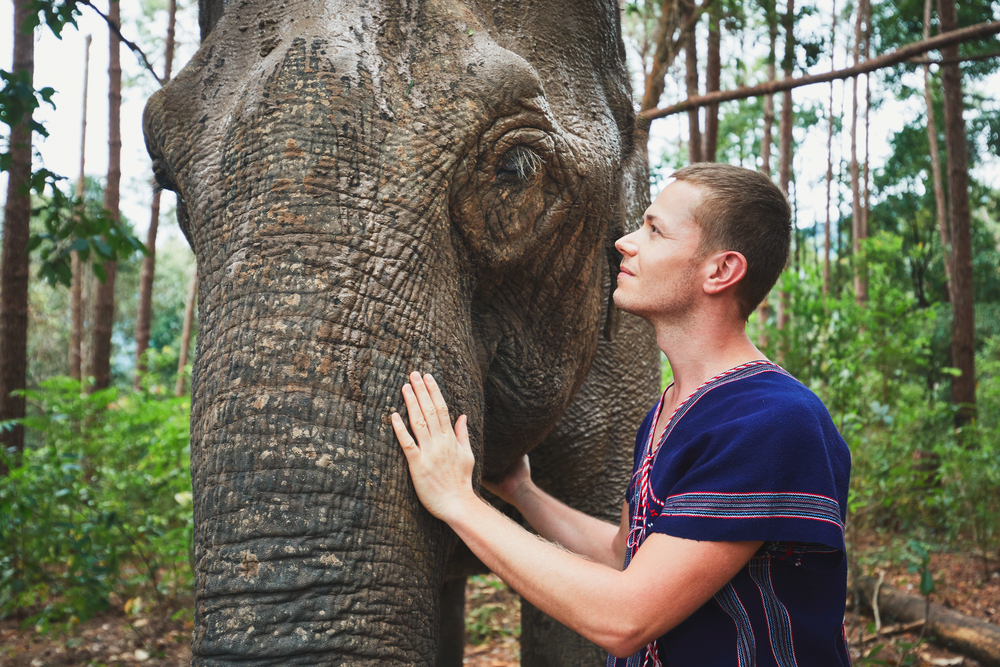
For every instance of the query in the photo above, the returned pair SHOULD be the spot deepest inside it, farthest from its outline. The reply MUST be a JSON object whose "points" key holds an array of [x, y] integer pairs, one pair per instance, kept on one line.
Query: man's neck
{"points": [[697, 354]]}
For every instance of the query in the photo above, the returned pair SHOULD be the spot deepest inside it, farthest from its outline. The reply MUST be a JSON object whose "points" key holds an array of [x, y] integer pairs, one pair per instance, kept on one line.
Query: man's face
{"points": [[659, 267]]}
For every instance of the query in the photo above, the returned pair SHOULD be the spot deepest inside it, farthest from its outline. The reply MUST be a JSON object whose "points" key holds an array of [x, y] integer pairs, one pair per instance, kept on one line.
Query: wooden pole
{"points": [[943, 40]]}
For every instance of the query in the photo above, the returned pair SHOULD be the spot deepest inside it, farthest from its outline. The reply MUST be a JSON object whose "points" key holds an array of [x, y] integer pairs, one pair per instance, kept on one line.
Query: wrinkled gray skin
{"points": [[374, 187]]}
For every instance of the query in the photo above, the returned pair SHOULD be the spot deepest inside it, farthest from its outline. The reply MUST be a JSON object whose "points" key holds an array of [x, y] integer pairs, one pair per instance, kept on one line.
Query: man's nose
{"points": [[625, 245]]}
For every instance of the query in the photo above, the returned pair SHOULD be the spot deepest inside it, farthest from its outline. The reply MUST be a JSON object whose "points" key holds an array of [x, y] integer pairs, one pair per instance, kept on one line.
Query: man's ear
{"points": [[725, 270]]}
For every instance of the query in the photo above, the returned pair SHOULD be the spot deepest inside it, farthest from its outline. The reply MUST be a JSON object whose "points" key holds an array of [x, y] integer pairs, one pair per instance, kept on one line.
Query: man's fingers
{"points": [[417, 420], [405, 440], [426, 403], [462, 431], [439, 405]]}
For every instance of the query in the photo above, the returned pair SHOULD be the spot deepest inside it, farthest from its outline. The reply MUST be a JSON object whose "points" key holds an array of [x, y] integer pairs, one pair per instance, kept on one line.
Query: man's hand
{"points": [[440, 459], [516, 479]]}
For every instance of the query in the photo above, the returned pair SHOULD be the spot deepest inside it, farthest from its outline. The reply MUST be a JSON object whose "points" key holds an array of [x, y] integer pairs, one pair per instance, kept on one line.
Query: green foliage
{"points": [[876, 368], [484, 613], [100, 512], [54, 13], [68, 228], [18, 98]]}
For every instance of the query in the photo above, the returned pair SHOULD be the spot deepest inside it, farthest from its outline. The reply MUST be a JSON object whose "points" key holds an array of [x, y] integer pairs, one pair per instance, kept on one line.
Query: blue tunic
{"points": [[751, 455]]}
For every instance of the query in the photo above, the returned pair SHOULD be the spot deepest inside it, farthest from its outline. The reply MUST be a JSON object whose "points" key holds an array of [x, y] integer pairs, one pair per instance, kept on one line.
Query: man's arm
{"points": [[578, 532], [621, 611]]}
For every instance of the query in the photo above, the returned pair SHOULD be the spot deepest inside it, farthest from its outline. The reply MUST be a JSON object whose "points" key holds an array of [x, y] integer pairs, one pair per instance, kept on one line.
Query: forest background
{"points": [[889, 309]]}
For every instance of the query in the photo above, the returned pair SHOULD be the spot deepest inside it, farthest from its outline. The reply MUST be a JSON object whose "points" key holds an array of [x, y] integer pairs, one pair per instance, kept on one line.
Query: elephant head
{"points": [[371, 188]]}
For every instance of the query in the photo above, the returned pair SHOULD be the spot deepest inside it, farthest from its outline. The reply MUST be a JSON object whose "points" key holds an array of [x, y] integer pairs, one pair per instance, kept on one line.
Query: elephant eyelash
{"points": [[519, 164], [161, 177]]}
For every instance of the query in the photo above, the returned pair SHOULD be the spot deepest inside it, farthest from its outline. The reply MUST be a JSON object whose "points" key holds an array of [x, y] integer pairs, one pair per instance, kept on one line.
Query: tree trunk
{"points": [[785, 143], [944, 225], [691, 80], [104, 302], [964, 634], [785, 125], [146, 275], [765, 143], [857, 228], [866, 208], [14, 271], [76, 290], [829, 157], [764, 309], [713, 71], [963, 387], [663, 56], [186, 335]]}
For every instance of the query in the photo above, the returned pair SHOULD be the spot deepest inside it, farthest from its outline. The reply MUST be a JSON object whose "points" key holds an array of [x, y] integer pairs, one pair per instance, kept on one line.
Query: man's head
{"points": [[742, 210], [717, 229]]}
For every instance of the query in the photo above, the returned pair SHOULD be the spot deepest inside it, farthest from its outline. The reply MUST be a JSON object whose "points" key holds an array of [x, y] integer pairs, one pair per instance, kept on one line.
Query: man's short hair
{"points": [[742, 210]]}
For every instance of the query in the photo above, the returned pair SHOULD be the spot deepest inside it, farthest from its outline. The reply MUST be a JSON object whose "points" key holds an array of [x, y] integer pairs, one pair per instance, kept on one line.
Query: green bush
{"points": [[100, 510], [879, 369]]}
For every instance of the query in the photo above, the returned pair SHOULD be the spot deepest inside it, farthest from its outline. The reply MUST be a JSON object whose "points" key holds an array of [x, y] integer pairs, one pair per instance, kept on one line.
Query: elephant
{"points": [[370, 188]]}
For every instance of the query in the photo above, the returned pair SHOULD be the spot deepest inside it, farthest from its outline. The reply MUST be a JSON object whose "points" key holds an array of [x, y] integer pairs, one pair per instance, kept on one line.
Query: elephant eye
{"points": [[161, 175], [519, 164]]}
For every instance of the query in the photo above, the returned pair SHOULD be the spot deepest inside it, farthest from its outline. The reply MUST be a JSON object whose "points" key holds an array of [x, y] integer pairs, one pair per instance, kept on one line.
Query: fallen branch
{"points": [[956, 631], [977, 31], [894, 629]]}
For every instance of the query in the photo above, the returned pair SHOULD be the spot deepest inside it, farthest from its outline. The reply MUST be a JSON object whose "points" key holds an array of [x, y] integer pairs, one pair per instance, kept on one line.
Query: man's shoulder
{"points": [[768, 416], [772, 393]]}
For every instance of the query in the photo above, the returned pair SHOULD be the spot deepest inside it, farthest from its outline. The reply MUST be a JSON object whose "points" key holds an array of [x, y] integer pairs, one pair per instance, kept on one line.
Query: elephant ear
{"points": [[615, 231]]}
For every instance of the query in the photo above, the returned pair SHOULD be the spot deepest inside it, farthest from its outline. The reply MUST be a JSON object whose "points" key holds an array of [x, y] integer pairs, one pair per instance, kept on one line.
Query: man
{"points": [[730, 547]]}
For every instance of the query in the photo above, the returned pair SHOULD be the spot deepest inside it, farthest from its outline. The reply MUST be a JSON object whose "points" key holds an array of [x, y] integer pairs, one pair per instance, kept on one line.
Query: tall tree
{"points": [[14, 271], [771, 13], [664, 53], [785, 134], [829, 155], [866, 180], [963, 386], [785, 123], [857, 208], [143, 317], [713, 74], [691, 81], [104, 301], [944, 225], [76, 289]]}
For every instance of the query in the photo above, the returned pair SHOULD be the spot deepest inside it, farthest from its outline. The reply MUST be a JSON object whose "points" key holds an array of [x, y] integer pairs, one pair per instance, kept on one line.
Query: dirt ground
{"points": [[493, 622]]}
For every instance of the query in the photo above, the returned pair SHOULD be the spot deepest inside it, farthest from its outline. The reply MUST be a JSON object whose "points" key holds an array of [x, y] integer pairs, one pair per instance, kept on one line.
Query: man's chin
{"points": [[623, 305]]}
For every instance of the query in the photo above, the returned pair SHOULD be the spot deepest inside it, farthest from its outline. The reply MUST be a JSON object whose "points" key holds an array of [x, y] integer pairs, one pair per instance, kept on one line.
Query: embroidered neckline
{"points": [[651, 450], [643, 488]]}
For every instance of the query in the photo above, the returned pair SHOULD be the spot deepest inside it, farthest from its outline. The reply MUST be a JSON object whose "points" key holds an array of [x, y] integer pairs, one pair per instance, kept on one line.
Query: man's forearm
{"points": [[618, 610], [581, 594], [572, 529]]}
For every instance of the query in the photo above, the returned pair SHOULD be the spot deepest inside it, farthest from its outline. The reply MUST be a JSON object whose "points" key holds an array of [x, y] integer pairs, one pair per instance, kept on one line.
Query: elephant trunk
{"points": [[308, 532]]}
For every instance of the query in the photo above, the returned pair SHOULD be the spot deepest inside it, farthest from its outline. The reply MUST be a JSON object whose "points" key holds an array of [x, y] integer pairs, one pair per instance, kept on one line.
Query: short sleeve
{"points": [[761, 461]]}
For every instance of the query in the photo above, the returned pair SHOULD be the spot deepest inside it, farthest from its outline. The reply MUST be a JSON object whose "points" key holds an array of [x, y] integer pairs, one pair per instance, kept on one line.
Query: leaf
{"points": [[103, 249], [926, 583]]}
